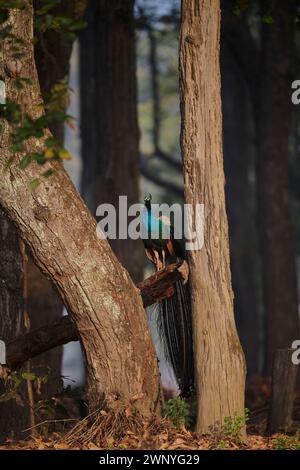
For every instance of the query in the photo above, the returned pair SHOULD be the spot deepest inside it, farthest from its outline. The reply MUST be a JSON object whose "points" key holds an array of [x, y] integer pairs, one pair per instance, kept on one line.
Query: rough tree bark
{"points": [[273, 129], [52, 55], [219, 359], [60, 232], [238, 151], [109, 130], [13, 416]]}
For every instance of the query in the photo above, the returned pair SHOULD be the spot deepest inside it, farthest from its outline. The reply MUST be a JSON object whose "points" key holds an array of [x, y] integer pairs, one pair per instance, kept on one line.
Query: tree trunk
{"points": [[109, 130], [13, 416], [60, 232], [219, 360], [284, 374], [52, 56], [53, 51], [240, 199], [274, 121]]}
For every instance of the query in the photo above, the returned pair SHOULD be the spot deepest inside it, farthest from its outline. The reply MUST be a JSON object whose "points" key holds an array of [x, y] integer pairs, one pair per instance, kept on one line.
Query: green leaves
{"points": [[177, 411], [47, 5], [48, 173], [6, 4], [33, 184], [21, 81], [47, 18], [267, 19], [28, 376], [25, 162], [11, 112]]}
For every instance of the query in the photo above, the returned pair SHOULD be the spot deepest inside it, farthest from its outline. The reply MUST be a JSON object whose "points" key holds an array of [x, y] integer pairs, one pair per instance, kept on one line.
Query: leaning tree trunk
{"points": [[61, 233], [219, 359], [274, 124], [109, 130], [13, 416], [52, 55]]}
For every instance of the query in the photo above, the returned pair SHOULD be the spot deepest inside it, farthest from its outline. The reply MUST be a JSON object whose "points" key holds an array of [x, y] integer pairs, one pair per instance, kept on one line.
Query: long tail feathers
{"points": [[175, 327]]}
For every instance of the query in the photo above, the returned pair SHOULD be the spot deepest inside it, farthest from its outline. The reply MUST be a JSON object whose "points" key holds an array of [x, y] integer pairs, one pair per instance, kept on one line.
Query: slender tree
{"points": [[219, 360]]}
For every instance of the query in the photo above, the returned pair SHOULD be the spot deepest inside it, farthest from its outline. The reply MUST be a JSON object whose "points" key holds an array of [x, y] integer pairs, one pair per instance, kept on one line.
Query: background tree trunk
{"points": [[13, 416], [238, 147], [110, 140], [104, 304], [274, 124], [219, 360]]}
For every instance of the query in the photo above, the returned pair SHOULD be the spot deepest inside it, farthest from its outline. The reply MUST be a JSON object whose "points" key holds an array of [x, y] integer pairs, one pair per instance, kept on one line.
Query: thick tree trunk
{"points": [[240, 199], [274, 121], [60, 232], [52, 55], [109, 130], [219, 360], [13, 416]]}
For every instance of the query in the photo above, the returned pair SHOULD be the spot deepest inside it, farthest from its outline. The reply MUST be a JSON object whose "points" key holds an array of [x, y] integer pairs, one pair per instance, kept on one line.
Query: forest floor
{"points": [[163, 435]]}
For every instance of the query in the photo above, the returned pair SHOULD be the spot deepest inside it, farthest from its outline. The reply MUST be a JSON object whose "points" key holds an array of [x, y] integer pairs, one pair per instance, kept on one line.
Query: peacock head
{"points": [[147, 201]]}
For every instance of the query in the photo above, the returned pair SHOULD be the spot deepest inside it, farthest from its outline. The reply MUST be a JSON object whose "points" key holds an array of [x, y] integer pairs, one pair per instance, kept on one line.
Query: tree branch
{"points": [[157, 287]]}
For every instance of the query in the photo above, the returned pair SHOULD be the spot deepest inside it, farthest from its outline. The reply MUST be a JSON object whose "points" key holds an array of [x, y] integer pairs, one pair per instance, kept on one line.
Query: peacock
{"points": [[174, 318]]}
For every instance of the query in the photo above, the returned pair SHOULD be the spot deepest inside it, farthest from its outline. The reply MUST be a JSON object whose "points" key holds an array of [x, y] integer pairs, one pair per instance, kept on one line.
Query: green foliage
{"points": [[222, 444], [11, 112], [17, 4], [20, 81], [233, 426], [6, 4], [267, 19], [48, 18], [29, 376], [177, 411], [25, 127], [287, 442], [34, 184], [240, 6], [48, 409], [230, 432]]}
